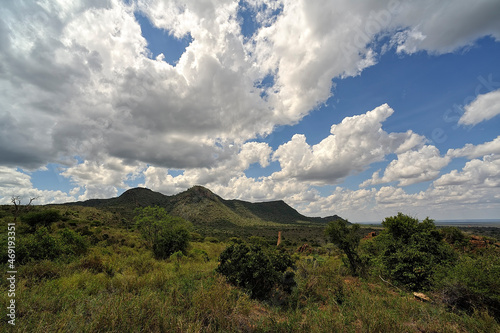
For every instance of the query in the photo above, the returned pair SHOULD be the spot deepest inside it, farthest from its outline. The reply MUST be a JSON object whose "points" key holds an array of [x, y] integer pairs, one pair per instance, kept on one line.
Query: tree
{"points": [[163, 233], [347, 239], [411, 250], [16, 200]]}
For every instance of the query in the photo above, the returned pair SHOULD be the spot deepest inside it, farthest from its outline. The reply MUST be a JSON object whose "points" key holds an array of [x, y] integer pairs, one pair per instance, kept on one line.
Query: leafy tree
{"points": [[412, 250], [163, 233], [249, 267], [346, 237]]}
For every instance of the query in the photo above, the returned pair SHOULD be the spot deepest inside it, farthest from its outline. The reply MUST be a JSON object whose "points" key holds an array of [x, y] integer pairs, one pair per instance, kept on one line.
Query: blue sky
{"points": [[336, 108]]}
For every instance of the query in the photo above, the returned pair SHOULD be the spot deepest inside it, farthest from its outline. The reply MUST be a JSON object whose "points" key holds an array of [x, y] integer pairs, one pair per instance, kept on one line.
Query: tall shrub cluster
{"points": [[415, 255], [412, 251], [42, 245], [407, 251], [256, 270], [163, 233], [472, 284], [41, 219]]}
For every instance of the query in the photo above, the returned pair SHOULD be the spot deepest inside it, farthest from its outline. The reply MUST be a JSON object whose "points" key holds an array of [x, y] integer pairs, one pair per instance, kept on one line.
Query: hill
{"points": [[136, 197], [205, 208]]}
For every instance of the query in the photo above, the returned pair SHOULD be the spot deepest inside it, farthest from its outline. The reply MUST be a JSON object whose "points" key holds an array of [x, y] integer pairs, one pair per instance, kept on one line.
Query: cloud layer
{"points": [[80, 89]]}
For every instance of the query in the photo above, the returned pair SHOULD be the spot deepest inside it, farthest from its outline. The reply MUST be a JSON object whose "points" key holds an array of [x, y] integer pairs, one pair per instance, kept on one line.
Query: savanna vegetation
{"points": [[83, 269]]}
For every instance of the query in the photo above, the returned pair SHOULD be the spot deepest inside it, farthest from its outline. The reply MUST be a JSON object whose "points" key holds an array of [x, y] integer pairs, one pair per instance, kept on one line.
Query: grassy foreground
{"points": [[118, 286]]}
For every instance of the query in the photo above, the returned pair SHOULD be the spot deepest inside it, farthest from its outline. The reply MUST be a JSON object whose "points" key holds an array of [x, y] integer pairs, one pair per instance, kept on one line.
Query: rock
{"points": [[370, 235], [480, 242], [421, 297]]}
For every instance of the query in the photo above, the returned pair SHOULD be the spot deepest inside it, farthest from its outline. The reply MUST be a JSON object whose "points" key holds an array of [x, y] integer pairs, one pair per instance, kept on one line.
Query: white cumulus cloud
{"points": [[473, 151], [412, 167], [353, 145], [483, 172], [484, 107], [14, 183]]}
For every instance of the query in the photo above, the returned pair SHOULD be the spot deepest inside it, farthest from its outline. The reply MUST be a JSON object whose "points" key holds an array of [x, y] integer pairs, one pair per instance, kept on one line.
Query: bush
{"points": [[196, 237], [170, 240], [211, 239], [72, 242], [249, 267], [164, 234], [257, 240], [412, 251], [199, 254], [473, 283], [454, 236], [38, 246], [43, 218], [235, 240], [41, 245]]}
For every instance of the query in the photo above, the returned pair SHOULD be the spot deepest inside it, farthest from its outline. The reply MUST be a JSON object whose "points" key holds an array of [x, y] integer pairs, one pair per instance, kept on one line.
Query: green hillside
{"points": [[202, 207]]}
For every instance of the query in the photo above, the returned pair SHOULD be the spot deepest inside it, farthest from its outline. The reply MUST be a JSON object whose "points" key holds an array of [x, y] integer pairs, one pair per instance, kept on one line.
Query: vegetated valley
{"points": [[194, 262]]}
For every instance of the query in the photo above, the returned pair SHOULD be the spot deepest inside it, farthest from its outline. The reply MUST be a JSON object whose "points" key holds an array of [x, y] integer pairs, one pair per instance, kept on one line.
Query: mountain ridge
{"points": [[201, 206]]}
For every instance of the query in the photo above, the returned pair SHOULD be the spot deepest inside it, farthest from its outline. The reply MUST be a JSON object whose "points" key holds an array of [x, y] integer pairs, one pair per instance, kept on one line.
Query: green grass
{"points": [[130, 291], [118, 286]]}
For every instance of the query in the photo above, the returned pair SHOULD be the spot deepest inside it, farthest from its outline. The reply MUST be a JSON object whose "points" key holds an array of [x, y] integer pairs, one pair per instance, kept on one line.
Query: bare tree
{"points": [[16, 200]]}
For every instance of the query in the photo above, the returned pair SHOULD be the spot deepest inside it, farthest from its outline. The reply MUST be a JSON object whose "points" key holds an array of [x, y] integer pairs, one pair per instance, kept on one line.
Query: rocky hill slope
{"points": [[203, 207]]}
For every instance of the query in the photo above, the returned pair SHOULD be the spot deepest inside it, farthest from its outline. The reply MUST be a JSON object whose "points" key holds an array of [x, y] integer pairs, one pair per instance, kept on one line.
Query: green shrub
{"points": [[196, 237], [472, 284], [412, 250], [43, 218], [212, 240], [199, 254], [258, 272], [164, 234], [177, 257], [72, 242], [85, 230], [170, 240], [257, 240], [39, 245], [236, 240], [454, 236]]}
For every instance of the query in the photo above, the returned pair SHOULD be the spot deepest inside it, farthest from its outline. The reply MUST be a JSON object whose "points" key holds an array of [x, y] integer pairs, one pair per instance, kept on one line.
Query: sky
{"points": [[357, 108]]}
